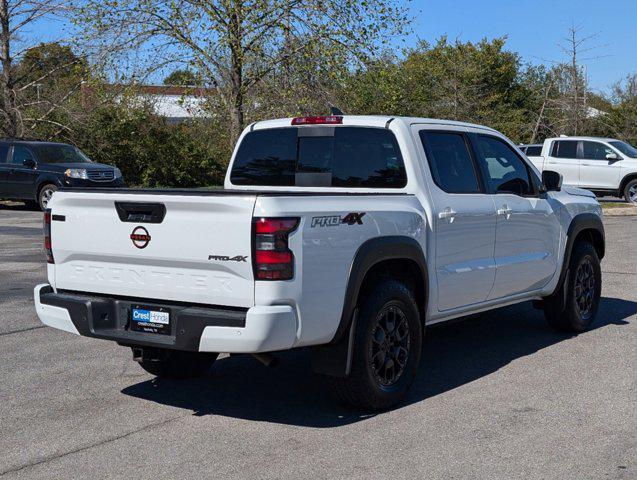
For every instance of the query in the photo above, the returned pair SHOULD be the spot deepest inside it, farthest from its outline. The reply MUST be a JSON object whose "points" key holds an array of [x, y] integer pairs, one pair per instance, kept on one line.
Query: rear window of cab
{"points": [[320, 156]]}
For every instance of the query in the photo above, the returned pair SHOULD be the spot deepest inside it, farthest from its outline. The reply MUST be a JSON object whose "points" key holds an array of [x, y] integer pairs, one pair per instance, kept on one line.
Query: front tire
{"points": [[45, 194], [387, 349], [583, 285], [179, 365], [630, 192]]}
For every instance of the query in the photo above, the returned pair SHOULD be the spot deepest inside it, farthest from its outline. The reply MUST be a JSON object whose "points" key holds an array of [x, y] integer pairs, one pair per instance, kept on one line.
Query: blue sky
{"points": [[534, 29]]}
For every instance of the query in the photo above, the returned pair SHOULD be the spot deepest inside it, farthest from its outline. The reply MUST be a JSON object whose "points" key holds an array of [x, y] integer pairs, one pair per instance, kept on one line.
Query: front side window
{"points": [[20, 154], [625, 148], [595, 151], [344, 157], [564, 149], [450, 161], [505, 171], [59, 153]]}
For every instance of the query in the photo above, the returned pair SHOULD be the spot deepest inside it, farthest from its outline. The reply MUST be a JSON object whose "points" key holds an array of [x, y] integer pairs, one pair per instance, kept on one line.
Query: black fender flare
{"points": [[579, 223], [334, 358]]}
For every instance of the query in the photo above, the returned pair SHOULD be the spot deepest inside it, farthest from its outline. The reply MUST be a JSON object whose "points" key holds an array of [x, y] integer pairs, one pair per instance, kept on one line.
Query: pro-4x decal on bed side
{"points": [[353, 218]]}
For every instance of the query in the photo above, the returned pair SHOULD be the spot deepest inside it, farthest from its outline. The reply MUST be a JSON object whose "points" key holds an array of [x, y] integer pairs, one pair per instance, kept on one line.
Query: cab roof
{"points": [[370, 121], [26, 141], [599, 139]]}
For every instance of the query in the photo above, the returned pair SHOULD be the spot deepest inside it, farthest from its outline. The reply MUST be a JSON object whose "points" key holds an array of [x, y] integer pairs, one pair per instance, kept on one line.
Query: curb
{"points": [[619, 211]]}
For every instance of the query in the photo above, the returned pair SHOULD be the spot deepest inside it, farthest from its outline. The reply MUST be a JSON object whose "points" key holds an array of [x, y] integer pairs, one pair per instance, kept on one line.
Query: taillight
{"points": [[47, 236], [320, 120], [273, 259]]}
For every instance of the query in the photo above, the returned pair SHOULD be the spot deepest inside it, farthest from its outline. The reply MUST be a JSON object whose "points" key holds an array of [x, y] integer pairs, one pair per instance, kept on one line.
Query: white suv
{"points": [[603, 165]]}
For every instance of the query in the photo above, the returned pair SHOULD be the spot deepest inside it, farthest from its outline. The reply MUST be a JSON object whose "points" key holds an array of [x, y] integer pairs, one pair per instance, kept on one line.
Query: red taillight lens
{"points": [[273, 260], [318, 120], [47, 236], [272, 257], [274, 225]]}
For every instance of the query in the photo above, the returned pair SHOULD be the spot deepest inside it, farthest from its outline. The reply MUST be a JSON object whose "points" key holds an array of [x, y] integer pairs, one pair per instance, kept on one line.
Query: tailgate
{"points": [[200, 252]]}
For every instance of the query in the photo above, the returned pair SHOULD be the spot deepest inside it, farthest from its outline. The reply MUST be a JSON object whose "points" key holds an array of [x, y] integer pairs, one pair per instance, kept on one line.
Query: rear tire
{"points": [[630, 192], [387, 349], [583, 285], [177, 364], [45, 194]]}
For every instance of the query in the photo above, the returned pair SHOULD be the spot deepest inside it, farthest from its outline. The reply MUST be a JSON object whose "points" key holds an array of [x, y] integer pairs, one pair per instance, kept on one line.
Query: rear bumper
{"points": [[193, 328]]}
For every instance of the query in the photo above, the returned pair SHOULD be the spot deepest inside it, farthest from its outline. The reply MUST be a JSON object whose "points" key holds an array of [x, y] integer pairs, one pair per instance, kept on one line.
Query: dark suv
{"points": [[32, 171]]}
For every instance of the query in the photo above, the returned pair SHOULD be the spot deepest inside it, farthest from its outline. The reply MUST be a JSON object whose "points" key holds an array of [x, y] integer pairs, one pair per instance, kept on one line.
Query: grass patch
{"points": [[609, 205]]}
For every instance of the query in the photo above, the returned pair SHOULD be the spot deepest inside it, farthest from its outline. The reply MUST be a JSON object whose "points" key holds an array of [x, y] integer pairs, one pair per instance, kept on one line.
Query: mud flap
{"points": [[335, 359]]}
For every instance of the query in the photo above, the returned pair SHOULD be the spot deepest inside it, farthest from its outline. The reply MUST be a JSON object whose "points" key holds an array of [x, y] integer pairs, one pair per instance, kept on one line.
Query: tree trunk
{"points": [[536, 129], [10, 124], [236, 70]]}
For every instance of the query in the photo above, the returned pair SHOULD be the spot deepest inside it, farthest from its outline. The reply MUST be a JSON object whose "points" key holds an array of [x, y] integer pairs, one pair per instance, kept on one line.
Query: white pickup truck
{"points": [[345, 234], [606, 166]]}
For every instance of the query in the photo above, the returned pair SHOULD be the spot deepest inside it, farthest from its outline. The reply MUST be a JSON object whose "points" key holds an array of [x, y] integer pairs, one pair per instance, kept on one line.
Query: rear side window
{"points": [[595, 151], [4, 152], [450, 162], [266, 157], [564, 149], [334, 157], [533, 151], [20, 154]]}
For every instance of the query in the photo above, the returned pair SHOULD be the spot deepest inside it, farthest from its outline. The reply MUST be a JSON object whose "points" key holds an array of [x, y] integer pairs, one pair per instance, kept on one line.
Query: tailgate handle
{"points": [[137, 212]]}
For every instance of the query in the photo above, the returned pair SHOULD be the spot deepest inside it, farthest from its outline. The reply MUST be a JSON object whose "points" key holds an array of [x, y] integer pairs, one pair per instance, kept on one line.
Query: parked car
{"points": [[345, 234], [32, 171], [604, 165]]}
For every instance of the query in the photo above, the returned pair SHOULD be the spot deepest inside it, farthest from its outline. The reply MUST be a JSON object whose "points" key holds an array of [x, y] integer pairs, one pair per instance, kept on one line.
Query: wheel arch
{"points": [[627, 178], [588, 227], [391, 256], [45, 180]]}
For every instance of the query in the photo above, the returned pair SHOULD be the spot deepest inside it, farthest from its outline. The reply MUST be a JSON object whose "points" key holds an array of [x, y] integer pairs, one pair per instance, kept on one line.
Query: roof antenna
{"points": [[335, 111]]}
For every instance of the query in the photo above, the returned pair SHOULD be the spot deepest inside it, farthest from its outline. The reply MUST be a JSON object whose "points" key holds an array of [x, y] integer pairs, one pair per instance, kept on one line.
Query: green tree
{"points": [[16, 19], [149, 151], [622, 117], [475, 82], [235, 44], [49, 77], [183, 77]]}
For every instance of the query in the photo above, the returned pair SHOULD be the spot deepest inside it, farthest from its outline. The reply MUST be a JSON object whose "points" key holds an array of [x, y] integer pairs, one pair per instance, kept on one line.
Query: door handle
{"points": [[448, 213], [505, 210]]}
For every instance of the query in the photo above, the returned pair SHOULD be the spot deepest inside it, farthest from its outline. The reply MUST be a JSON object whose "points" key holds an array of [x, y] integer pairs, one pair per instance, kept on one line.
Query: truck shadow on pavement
{"points": [[455, 354], [19, 207]]}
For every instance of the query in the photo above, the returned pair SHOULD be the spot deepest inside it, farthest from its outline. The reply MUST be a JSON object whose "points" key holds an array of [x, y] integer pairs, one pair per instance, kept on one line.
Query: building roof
{"points": [[170, 101]]}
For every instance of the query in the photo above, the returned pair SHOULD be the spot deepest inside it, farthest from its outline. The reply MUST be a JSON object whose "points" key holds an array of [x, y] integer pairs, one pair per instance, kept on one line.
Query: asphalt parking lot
{"points": [[498, 396]]}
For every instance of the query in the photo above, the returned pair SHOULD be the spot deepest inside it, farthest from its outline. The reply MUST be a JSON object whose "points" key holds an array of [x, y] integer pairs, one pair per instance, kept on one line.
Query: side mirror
{"points": [[612, 156], [552, 181], [29, 162]]}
